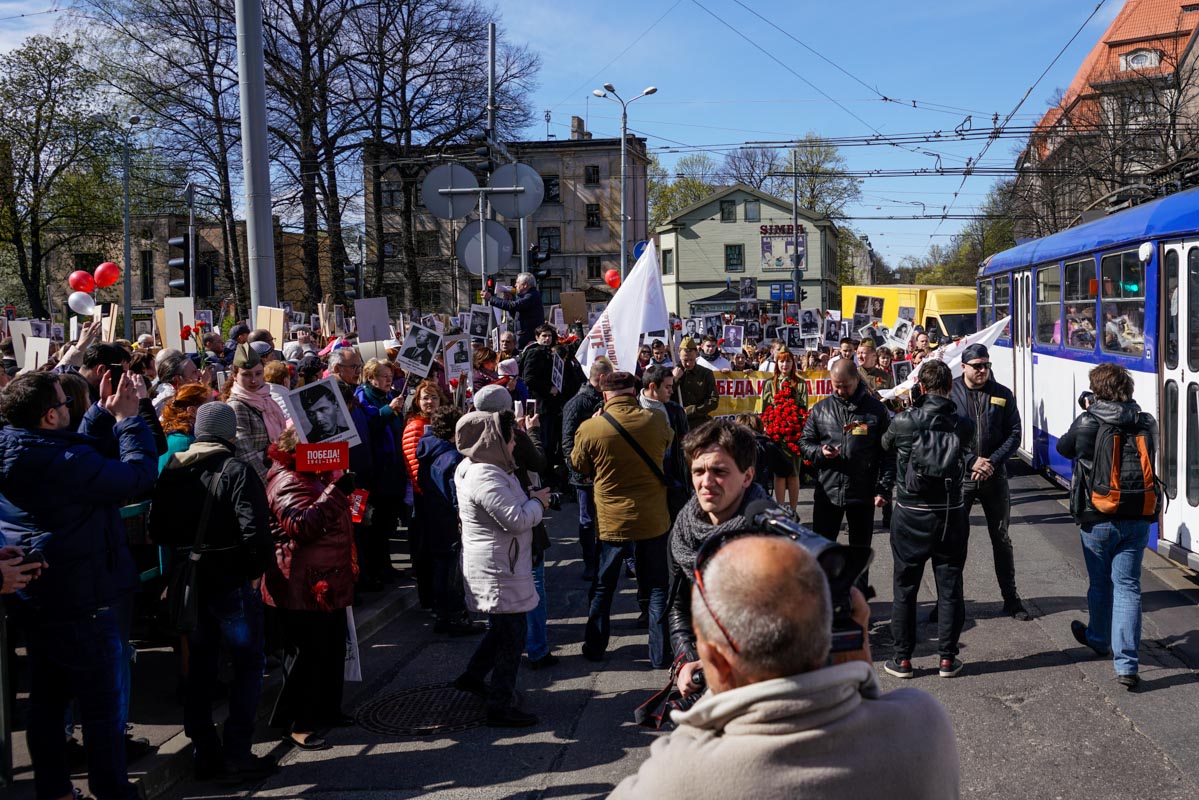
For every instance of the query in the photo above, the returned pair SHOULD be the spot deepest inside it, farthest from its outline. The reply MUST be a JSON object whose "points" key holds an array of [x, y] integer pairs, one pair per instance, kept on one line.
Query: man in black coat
{"points": [[991, 408], [579, 409], [236, 549], [657, 387], [843, 440], [933, 456], [526, 309], [537, 371]]}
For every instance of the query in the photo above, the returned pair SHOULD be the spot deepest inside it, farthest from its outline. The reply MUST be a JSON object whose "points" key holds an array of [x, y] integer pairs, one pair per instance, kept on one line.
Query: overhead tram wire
{"points": [[1023, 99]]}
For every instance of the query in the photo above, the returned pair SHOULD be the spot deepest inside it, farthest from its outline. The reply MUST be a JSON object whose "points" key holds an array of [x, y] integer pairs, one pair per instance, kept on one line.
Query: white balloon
{"points": [[81, 303]]}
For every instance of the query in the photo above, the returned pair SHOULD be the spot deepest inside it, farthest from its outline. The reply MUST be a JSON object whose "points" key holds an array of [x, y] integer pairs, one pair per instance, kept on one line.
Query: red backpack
{"points": [[1124, 483]]}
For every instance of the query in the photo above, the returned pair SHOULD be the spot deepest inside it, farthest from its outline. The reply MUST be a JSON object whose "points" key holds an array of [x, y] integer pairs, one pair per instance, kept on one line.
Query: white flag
{"points": [[639, 306], [951, 355]]}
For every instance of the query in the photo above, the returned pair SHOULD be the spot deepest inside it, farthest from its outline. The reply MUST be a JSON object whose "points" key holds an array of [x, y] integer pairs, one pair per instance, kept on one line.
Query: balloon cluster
{"points": [[84, 283]]}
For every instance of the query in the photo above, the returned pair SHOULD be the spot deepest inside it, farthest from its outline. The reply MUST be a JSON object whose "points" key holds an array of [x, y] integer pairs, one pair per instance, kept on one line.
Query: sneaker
{"points": [[1130, 681], [950, 667], [1015, 609], [471, 685], [1080, 635], [901, 668]]}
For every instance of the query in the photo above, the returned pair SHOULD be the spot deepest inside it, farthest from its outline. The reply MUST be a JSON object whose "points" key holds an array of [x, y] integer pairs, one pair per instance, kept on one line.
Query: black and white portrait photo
{"points": [[900, 370], [794, 338], [809, 322], [457, 355], [832, 332], [733, 336], [747, 309], [418, 349], [867, 306], [480, 321], [693, 328], [320, 414], [749, 288], [753, 330], [713, 325]]}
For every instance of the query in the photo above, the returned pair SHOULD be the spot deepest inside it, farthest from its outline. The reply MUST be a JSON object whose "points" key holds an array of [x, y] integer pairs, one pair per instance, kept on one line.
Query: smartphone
{"points": [[530, 408], [32, 557], [116, 370]]}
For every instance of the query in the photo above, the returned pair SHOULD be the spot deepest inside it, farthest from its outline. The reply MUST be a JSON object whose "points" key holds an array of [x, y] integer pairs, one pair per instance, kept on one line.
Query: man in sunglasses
{"points": [[778, 721], [992, 408]]}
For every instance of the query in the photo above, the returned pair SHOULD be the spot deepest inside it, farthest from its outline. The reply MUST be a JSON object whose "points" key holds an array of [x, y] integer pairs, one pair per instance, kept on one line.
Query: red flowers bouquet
{"points": [[784, 419]]}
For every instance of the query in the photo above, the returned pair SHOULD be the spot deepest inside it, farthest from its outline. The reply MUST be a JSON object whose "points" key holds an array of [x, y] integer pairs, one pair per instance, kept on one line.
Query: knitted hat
{"points": [[493, 398], [216, 421]]}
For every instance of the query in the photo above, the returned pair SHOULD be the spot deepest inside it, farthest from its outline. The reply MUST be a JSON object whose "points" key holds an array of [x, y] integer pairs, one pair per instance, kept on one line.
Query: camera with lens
{"points": [[555, 503], [1085, 399]]}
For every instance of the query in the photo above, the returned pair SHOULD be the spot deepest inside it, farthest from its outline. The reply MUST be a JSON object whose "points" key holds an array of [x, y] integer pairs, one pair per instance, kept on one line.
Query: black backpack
{"points": [[936, 461], [1124, 483]]}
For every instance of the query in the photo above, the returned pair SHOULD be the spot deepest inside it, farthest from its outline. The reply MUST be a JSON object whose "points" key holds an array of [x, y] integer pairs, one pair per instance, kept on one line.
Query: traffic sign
{"points": [[516, 204], [497, 243], [639, 248], [449, 176]]}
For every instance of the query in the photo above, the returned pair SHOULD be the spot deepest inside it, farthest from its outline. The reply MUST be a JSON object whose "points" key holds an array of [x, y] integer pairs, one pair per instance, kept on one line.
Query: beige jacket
{"points": [[824, 734]]}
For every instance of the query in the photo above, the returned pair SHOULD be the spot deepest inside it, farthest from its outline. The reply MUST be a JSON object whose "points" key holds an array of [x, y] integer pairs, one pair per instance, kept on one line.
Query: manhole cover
{"points": [[422, 711]]}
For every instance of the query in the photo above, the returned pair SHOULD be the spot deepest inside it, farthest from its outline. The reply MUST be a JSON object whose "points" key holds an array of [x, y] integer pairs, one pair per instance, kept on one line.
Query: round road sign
{"points": [[497, 243], [449, 206], [517, 204]]}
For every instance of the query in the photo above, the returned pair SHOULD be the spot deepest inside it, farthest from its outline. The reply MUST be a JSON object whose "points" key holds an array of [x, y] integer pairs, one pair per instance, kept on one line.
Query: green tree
{"points": [[823, 185], [57, 158], [696, 176], [957, 263]]}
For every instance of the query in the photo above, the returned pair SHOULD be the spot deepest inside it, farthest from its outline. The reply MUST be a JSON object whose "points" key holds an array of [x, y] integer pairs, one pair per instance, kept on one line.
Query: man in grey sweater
{"points": [[777, 722]]}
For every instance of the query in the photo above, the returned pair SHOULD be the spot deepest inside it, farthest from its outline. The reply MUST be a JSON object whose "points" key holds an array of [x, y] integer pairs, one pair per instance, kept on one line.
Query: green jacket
{"points": [[696, 392], [630, 501]]}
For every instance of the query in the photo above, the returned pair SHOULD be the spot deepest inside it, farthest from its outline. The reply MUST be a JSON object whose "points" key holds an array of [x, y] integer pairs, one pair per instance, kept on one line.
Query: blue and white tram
{"points": [[1121, 289]]}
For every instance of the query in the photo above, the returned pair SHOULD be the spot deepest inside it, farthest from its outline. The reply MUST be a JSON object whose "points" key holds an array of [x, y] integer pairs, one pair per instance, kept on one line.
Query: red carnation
{"points": [[186, 332]]}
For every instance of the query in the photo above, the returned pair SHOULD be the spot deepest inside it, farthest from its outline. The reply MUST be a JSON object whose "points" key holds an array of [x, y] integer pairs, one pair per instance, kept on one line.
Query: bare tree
{"points": [[754, 166], [823, 185]]}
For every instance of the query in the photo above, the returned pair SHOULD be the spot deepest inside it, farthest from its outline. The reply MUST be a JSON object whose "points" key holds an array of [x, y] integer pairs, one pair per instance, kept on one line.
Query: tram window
{"points": [[1003, 304], [986, 315], [1170, 438], [1171, 269], [1080, 304], [1193, 444], [1049, 306], [1123, 304], [1192, 309]]}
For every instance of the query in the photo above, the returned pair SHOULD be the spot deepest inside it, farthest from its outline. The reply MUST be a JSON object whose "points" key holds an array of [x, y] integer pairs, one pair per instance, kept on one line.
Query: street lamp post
{"points": [[609, 89], [128, 247]]}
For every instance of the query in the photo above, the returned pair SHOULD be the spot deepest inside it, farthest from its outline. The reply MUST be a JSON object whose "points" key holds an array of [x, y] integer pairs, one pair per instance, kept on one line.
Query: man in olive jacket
{"points": [[694, 386], [630, 500]]}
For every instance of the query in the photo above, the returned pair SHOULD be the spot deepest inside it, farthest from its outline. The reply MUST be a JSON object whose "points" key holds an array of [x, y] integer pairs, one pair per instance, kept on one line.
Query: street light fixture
{"points": [[609, 89]]}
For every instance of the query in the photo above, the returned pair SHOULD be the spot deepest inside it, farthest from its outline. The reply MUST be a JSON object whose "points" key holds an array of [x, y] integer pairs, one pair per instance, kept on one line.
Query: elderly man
{"points": [[853, 476], [508, 348], [526, 309], [695, 386], [622, 451], [777, 722]]}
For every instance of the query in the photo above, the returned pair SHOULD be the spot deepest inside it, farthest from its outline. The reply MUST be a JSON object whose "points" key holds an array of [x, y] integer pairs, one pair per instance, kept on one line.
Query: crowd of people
{"points": [[202, 448]]}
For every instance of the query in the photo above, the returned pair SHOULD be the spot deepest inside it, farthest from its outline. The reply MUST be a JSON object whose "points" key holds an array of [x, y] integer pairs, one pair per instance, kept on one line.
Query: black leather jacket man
{"points": [[992, 411], [861, 471], [904, 429]]}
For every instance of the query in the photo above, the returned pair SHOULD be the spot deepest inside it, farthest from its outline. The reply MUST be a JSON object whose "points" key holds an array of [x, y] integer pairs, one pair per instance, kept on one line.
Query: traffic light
{"points": [[536, 257], [182, 263], [205, 275], [482, 151], [351, 281]]}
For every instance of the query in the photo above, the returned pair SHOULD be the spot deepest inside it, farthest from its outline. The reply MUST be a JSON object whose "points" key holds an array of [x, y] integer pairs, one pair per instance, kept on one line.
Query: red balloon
{"points": [[107, 274], [81, 281], [612, 278]]}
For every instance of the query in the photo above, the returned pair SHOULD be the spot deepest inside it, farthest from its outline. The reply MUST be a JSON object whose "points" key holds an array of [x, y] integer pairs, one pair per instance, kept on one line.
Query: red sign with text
{"points": [[322, 457]]}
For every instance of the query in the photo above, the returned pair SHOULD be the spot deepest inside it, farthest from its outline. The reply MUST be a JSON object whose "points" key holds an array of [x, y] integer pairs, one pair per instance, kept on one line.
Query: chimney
{"points": [[576, 128]]}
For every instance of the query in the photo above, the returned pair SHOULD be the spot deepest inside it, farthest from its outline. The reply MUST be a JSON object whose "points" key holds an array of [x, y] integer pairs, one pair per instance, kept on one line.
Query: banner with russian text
{"points": [[741, 392]]}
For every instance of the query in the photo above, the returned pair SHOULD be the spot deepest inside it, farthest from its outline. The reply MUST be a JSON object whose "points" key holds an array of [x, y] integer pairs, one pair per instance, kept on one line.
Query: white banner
{"points": [[639, 306], [951, 355]]}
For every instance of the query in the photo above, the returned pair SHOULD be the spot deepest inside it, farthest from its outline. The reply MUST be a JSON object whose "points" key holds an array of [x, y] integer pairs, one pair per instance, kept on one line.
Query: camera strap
{"points": [[654, 468]]}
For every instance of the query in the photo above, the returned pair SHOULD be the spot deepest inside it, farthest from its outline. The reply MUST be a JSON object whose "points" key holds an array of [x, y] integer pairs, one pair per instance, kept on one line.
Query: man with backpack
{"points": [[1114, 497], [991, 408], [932, 447]]}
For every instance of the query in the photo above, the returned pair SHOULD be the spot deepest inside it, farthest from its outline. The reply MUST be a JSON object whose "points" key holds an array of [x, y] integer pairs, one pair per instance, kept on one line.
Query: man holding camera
{"points": [[778, 722]]}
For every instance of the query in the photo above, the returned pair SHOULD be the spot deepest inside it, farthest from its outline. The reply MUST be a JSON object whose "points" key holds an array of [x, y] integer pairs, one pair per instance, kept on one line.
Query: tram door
{"points": [[1178, 366], [1022, 317]]}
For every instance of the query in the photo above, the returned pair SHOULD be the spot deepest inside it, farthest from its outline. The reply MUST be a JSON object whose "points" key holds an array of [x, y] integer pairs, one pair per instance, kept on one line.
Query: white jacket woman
{"points": [[497, 519]]}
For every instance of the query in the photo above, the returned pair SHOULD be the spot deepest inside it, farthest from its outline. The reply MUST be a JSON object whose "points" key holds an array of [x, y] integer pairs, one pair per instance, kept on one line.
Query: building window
{"points": [[1140, 59], [728, 210], [753, 210], [391, 193], [591, 175], [514, 235], [551, 291], [1123, 304], [595, 268], [430, 296], [1049, 305], [87, 261], [593, 215], [553, 190], [428, 244], [147, 274], [549, 239], [667, 262], [734, 258]]}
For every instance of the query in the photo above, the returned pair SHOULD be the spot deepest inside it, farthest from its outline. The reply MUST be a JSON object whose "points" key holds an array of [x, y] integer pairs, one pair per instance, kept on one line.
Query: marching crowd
{"points": [[108, 433]]}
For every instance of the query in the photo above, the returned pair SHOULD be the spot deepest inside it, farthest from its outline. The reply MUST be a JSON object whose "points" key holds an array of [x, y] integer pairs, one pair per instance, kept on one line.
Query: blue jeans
{"points": [[1113, 552], [537, 643], [82, 658], [229, 616], [587, 541], [653, 578]]}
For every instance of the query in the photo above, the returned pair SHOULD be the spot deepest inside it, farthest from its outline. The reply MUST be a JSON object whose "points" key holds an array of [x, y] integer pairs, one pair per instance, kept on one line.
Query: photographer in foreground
{"points": [[777, 722]]}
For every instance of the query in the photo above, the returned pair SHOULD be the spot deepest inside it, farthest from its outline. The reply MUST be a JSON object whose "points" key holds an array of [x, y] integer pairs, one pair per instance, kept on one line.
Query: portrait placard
{"points": [[418, 349], [456, 356], [320, 415]]}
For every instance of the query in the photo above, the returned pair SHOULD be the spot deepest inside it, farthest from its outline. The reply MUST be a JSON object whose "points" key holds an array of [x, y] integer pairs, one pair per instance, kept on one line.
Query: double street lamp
{"points": [[609, 91]]}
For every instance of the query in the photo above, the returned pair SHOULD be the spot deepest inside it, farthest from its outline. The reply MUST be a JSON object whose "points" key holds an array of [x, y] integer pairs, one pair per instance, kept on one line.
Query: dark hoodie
{"points": [[437, 459], [1078, 444]]}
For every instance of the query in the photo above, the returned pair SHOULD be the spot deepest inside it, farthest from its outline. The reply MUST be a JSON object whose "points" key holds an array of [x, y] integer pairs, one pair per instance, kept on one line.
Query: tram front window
{"points": [[1123, 304]]}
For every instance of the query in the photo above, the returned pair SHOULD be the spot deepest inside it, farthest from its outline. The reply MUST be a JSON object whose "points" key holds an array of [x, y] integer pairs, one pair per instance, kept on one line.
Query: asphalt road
{"points": [[1035, 715]]}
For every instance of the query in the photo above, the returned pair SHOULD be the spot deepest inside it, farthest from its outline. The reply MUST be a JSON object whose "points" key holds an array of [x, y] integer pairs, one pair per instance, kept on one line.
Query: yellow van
{"points": [[944, 311]]}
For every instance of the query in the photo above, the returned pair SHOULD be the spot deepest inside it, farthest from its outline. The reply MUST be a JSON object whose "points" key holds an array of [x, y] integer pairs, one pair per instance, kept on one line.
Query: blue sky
{"points": [[975, 57]]}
